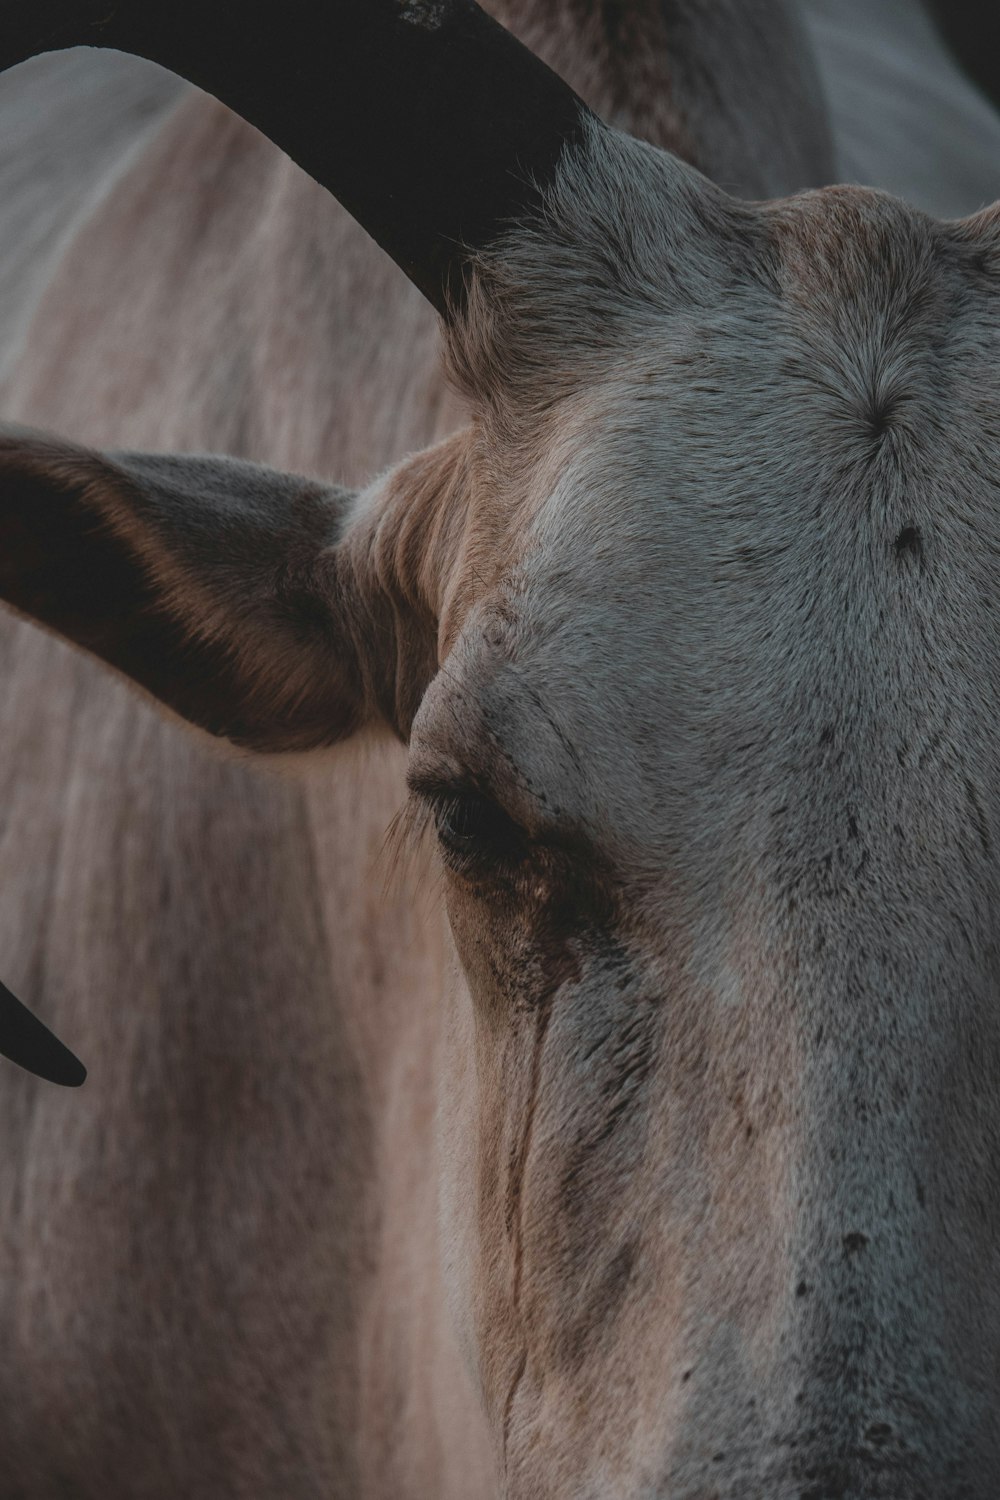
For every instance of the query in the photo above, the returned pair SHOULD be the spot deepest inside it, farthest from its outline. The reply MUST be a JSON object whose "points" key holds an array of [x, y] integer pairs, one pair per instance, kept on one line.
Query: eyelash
{"points": [[474, 832]]}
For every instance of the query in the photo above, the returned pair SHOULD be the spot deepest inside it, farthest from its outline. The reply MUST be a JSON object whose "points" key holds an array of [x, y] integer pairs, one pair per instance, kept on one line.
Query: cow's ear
{"points": [[265, 608]]}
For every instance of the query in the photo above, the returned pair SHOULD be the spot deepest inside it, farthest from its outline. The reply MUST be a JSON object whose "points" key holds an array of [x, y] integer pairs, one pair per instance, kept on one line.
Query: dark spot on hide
{"points": [[854, 1243], [909, 545]]}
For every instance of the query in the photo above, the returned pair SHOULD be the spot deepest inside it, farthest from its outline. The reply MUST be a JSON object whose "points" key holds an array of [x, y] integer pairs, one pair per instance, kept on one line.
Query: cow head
{"points": [[691, 637]]}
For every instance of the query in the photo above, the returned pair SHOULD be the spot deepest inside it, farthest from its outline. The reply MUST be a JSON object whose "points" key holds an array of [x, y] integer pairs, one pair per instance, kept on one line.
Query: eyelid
{"points": [[436, 784], [435, 793], [432, 786], [565, 849], [435, 781]]}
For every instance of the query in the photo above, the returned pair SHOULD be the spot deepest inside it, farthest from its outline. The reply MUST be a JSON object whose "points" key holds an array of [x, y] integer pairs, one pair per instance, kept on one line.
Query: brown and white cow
{"points": [[640, 1140]]}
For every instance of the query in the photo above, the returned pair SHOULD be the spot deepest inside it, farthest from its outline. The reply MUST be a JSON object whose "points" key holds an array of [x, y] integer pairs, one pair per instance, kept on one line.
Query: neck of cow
{"points": [[730, 88]]}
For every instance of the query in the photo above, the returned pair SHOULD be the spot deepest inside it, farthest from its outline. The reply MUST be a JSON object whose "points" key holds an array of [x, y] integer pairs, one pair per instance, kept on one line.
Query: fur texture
{"points": [[678, 1182]]}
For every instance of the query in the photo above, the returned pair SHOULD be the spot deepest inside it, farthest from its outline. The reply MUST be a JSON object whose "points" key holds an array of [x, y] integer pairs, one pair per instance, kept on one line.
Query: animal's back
{"points": [[218, 1269], [188, 1243], [905, 118]]}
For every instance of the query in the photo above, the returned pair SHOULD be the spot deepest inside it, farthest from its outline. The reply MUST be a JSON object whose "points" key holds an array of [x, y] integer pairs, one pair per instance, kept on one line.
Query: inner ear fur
{"points": [[274, 611], [404, 556]]}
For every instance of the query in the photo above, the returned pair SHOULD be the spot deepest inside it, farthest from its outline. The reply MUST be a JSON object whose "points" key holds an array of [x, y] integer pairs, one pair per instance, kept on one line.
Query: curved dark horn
{"points": [[25, 1041], [431, 123]]}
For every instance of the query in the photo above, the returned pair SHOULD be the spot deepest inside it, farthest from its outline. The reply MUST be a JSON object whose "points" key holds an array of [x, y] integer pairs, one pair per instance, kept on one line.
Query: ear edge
{"points": [[77, 558]]}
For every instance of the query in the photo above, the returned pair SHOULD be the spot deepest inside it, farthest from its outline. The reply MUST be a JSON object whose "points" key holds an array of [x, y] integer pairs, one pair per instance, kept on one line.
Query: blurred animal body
{"points": [[652, 1153]]}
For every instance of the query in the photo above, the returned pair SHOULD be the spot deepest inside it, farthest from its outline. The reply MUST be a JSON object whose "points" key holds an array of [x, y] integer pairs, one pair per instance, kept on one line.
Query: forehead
{"points": [[775, 518]]}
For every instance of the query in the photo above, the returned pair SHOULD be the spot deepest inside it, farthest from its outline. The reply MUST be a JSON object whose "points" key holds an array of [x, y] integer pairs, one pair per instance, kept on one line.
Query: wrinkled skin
{"points": [[728, 1031], [690, 634]]}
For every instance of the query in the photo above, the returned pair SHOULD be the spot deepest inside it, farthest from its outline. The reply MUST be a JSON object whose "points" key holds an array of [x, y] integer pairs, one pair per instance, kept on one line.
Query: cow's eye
{"points": [[474, 830]]}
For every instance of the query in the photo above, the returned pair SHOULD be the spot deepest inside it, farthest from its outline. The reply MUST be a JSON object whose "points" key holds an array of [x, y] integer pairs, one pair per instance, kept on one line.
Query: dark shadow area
{"points": [[972, 30]]}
